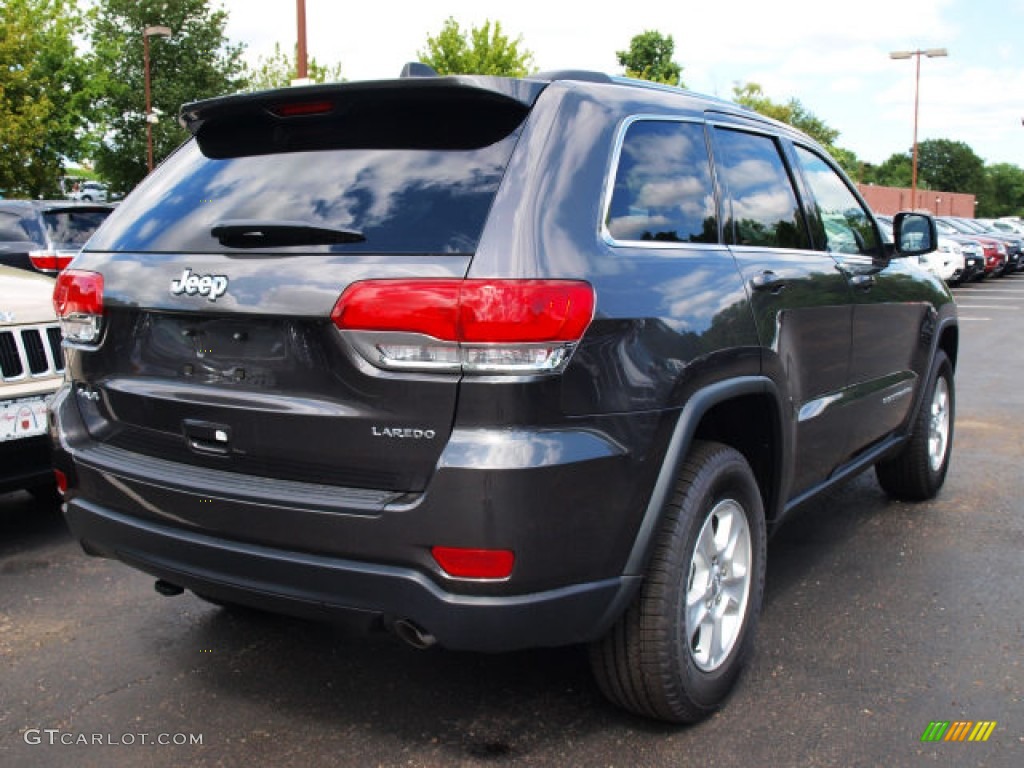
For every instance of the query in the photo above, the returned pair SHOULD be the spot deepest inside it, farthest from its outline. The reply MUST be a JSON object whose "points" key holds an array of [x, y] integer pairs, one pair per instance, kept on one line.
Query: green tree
{"points": [[1003, 194], [894, 172], [481, 51], [279, 69], [44, 109], [650, 58], [195, 62], [793, 112], [950, 166], [849, 162]]}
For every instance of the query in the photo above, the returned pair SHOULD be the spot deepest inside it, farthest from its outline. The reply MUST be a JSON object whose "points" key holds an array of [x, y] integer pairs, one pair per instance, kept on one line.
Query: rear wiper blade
{"points": [[256, 233]]}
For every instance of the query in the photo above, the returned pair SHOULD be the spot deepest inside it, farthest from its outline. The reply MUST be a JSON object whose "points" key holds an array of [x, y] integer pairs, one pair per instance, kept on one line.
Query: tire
{"points": [[918, 471], [660, 659]]}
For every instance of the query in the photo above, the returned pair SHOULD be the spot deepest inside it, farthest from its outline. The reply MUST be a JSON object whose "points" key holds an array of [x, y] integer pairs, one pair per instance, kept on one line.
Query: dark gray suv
{"points": [[495, 363]]}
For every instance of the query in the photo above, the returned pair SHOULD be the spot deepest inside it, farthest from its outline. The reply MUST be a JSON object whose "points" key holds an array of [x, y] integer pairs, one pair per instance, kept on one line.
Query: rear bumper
{"points": [[364, 594], [25, 464], [565, 502]]}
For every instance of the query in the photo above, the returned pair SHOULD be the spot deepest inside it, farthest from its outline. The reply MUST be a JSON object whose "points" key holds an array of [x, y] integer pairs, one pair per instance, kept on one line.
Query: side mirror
{"points": [[914, 234]]}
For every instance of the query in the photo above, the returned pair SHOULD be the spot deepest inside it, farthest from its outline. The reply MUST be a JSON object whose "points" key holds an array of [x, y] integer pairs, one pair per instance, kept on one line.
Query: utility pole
{"points": [[301, 62]]}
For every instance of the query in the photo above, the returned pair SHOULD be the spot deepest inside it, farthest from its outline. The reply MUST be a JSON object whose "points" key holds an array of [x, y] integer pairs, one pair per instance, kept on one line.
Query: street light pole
{"points": [[930, 53], [146, 34]]}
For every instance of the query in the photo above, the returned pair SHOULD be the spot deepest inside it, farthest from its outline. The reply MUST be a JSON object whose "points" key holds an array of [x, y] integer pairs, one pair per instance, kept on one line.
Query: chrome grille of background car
{"points": [[31, 351]]}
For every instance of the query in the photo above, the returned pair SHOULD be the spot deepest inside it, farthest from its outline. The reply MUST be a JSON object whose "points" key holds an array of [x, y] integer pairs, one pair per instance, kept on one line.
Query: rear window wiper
{"points": [[257, 233]]}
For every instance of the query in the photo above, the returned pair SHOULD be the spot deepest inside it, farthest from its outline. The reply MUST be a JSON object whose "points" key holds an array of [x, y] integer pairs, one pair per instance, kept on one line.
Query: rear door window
{"points": [[762, 208], [662, 189]]}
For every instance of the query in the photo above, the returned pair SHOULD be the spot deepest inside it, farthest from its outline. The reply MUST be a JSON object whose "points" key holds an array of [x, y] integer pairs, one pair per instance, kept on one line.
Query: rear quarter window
{"points": [[662, 189]]}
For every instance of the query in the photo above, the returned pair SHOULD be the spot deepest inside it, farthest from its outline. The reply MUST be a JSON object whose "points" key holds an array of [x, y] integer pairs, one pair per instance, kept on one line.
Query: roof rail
{"points": [[418, 69], [585, 75]]}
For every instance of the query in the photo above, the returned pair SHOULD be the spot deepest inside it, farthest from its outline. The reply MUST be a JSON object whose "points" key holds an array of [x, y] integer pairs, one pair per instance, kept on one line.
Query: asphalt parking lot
{"points": [[880, 618]]}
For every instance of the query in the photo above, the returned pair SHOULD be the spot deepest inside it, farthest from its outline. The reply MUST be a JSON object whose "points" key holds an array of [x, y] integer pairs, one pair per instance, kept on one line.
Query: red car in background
{"points": [[994, 250], [1014, 242]]}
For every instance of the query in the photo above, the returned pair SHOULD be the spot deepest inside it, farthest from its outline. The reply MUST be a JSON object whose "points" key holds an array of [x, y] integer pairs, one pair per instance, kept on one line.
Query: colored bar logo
{"points": [[958, 730]]}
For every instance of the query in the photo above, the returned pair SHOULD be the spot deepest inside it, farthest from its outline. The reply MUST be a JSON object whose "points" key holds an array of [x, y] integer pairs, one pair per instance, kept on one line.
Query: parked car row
{"points": [[954, 260], [1002, 249], [971, 249]]}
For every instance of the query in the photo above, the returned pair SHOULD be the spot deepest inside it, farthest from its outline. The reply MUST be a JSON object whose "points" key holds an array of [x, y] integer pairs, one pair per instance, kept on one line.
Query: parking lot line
{"points": [[985, 306]]}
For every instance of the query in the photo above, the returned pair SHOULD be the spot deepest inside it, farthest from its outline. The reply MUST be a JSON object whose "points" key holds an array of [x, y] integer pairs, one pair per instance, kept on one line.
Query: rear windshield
{"points": [[16, 226], [398, 199], [72, 228]]}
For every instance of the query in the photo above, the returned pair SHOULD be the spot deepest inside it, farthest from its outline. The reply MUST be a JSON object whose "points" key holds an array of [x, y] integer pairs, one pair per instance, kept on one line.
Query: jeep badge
{"points": [[211, 286]]}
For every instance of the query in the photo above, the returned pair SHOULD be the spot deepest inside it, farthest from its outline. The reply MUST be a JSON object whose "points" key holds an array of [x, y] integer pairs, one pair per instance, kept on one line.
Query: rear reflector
{"points": [[78, 301], [62, 481], [492, 326], [475, 563]]}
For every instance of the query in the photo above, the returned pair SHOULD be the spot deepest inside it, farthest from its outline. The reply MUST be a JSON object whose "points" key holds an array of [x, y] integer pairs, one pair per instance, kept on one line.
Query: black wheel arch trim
{"points": [[945, 323], [699, 404]]}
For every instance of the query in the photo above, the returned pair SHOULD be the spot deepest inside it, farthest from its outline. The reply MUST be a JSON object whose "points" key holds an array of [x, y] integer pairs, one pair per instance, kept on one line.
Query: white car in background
{"points": [[1010, 226], [31, 369], [90, 191], [947, 260]]}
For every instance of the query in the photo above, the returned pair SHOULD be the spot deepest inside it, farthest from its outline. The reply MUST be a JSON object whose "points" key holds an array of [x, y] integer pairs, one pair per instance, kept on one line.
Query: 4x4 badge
{"points": [[210, 286]]}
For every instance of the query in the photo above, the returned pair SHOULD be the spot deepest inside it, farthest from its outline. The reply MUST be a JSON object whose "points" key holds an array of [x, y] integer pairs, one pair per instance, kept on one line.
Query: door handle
{"points": [[767, 281]]}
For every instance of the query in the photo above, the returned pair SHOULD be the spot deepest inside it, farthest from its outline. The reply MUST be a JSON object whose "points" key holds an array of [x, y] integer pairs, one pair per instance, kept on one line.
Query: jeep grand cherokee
{"points": [[496, 363]]}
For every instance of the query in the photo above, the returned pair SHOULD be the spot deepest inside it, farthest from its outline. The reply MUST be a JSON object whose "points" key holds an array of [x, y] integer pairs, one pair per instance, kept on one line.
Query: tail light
{"points": [[78, 301], [49, 261], [473, 326]]}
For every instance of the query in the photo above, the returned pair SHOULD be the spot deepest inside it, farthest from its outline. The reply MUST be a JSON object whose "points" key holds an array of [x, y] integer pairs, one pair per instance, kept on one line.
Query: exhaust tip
{"points": [[413, 634], [167, 589]]}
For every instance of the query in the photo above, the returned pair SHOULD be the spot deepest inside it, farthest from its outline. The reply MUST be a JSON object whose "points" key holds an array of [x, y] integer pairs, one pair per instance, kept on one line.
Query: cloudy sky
{"points": [[832, 57]]}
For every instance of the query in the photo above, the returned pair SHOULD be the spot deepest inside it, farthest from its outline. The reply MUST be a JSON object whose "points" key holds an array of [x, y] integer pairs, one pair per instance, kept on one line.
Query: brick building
{"points": [[890, 200]]}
